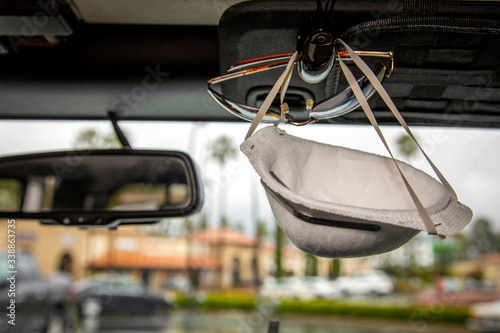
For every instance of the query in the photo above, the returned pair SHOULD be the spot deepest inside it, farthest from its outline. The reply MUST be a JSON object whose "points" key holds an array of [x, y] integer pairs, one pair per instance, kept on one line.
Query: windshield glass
{"points": [[225, 257]]}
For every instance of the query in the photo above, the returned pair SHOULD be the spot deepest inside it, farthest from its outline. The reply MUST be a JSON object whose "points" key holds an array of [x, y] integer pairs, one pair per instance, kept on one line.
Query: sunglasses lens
{"points": [[345, 101], [243, 111]]}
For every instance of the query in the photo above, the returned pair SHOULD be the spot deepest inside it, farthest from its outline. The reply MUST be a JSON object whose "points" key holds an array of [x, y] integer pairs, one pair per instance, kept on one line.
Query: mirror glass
{"points": [[102, 182]]}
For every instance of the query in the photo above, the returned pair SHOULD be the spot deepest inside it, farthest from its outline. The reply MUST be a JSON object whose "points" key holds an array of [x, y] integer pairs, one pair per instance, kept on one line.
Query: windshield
{"points": [[175, 274]]}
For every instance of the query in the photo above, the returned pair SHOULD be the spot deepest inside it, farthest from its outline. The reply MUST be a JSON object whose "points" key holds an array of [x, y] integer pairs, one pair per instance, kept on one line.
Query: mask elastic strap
{"points": [[282, 84], [388, 101], [431, 228]]}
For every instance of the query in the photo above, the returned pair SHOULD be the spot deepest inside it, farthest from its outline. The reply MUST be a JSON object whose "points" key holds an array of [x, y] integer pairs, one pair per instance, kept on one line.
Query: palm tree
{"points": [[482, 239], [311, 268], [406, 146], [93, 139], [334, 269], [222, 150], [280, 237], [89, 139]]}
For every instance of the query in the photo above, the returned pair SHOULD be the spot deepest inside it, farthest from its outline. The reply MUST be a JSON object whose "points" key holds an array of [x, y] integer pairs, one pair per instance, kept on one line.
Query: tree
{"points": [[335, 269], [187, 226], [224, 223], [262, 232], [280, 236], [222, 150], [444, 253], [240, 227], [203, 221], [482, 239], [406, 146], [311, 265], [93, 139]]}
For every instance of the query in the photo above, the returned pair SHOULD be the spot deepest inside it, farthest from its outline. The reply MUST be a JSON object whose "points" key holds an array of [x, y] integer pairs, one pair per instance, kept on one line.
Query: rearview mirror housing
{"points": [[99, 187]]}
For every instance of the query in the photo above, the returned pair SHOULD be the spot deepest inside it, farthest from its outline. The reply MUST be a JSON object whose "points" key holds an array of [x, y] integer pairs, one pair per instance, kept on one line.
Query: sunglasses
{"points": [[337, 105]]}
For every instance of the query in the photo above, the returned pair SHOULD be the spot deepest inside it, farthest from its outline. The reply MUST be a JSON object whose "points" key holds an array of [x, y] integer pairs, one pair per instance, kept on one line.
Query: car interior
{"points": [[170, 61]]}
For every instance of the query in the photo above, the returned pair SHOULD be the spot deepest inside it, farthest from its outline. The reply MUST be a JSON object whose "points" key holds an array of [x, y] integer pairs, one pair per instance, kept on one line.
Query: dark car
{"points": [[114, 301], [34, 303]]}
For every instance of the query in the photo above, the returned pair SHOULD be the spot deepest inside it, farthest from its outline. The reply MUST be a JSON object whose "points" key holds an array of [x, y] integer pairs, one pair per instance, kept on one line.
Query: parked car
{"points": [[177, 283], [306, 288], [366, 283], [41, 304], [114, 295], [286, 288], [485, 317], [323, 288]]}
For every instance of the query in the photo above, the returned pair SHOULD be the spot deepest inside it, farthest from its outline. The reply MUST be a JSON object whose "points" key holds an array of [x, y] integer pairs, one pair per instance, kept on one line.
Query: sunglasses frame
{"points": [[337, 105]]}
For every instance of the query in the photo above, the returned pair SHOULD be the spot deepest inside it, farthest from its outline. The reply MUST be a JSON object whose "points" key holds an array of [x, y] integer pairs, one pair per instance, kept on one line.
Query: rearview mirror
{"points": [[99, 187]]}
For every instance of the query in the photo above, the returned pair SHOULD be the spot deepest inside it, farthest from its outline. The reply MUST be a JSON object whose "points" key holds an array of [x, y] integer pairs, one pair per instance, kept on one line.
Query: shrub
{"points": [[332, 308], [247, 302]]}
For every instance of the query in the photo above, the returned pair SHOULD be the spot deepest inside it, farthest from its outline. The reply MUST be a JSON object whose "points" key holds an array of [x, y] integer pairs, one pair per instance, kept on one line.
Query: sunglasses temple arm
{"points": [[286, 56], [282, 63], [259, 61], [248, 71], [345, 56]]}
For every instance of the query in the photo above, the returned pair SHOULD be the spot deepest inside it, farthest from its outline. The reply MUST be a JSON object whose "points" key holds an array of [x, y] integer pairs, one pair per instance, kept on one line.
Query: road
{"points": [[182, 321]]}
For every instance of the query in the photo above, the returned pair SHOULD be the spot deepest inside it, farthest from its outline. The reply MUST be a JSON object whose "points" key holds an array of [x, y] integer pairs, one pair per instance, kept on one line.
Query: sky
{"points": [[468, 158]]}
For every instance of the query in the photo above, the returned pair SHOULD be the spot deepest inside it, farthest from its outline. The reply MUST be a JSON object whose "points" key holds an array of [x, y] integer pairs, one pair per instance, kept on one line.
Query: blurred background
{"points": [[230, 268]]}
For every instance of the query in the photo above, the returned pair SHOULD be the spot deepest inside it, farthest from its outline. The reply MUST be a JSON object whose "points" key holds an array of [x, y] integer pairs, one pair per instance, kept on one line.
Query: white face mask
{"points": [[337, 202]]}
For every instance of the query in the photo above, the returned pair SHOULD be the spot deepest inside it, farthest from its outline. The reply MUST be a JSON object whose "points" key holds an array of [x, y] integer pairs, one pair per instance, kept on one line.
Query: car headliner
{"points": [[151, 60]]}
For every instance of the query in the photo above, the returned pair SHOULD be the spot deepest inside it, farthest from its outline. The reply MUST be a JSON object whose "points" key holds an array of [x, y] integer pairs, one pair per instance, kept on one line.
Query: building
{"points": [[486, 267], [56, 248], [212, 258]]}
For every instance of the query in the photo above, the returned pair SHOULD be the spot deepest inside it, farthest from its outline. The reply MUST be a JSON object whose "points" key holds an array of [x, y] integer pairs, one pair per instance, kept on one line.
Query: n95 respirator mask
{"points": [[337, 202]]}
